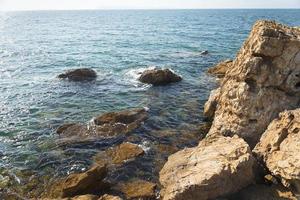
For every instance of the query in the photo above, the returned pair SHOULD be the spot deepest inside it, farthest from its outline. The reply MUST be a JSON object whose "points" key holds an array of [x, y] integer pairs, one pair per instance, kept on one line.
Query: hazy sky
{"points": [[144, 4]]}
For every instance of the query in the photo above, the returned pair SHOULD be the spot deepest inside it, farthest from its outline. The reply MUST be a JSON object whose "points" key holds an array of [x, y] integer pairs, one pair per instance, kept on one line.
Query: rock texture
{"points": [[138, 189], [159, 77], [107, 125], [83, 74], [263, 80], [211, 105], [221, 68], [217, 167], [279, 149], [109, 197]]}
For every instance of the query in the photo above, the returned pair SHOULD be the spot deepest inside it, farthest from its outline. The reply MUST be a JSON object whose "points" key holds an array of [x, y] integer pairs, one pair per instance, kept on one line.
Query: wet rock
{"points": [[109, 197], [217, 167], [159, 77], [138, 189], [83, 74], [263, 81], [211, 105], [263, 192], [119, 154], [221, 68], [204, 52], [88, 182], [107, 125], [279, 149]]}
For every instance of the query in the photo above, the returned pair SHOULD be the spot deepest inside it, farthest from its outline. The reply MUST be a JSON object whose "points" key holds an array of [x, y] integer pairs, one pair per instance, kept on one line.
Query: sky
{"points": [[142, 4]]}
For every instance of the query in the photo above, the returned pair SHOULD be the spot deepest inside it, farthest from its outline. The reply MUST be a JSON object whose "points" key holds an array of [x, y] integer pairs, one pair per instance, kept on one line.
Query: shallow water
{"points": [[36, 46]]}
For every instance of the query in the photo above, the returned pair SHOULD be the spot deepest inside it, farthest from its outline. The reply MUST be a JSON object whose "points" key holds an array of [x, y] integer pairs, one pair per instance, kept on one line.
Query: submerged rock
{"points": [[159, 77], [279, 149], [204, 52], [138, 189], [217, 167], [221, 68], [263, 80], [119, 154], [83, 74]]}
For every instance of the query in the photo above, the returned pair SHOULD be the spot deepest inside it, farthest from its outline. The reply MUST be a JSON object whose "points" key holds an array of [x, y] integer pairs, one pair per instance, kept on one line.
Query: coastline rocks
{"points": [[263, 80], [211, 105], [221, 68], [83, 74], [159, 77], [119, 154], [279, 149], [107, 125], [109, 197], [138, 189], [217, 167]]}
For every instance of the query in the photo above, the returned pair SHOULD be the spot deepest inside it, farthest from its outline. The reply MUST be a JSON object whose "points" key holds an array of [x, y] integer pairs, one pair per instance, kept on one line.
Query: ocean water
{"points": [[36, 46]]}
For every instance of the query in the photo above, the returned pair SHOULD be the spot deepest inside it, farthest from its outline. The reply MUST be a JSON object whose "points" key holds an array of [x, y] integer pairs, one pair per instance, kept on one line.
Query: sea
{"points": [[36, 46]]}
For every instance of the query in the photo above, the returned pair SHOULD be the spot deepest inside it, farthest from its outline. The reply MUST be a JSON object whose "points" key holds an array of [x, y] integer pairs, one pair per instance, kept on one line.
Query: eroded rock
{"points": [[83, 74], [159, 77], [138, 189], [211, 105], [263, 80], [109, 197], [279, 149], [221, 68], [217, 167]]}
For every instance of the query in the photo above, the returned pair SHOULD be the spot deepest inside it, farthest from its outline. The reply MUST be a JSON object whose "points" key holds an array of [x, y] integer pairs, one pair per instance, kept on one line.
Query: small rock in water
{"points": [[138, 189], [83, 74], [204, 52], [221, 68], [159, 77]]}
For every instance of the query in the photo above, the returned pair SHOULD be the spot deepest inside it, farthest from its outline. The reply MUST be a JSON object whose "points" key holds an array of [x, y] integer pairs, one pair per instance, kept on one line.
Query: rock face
{"points": [[217, 167], [211, 104], [107, 125], [83, 74], [221, 68], [279, 149], [263, 80], [119, 154], [139, 189], [159, 77]]}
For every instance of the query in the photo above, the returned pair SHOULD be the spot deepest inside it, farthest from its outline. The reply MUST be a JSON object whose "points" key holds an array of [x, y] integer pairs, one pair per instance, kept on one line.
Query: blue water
{"points": [[36, 46]]}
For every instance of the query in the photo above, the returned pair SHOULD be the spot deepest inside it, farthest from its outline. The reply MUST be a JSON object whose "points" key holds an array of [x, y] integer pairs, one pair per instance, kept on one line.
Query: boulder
{"points": [[221, 68], [279, 149], [159, 77], [263, 81], [107, 125], [211, 105], [83, 74], [217, 167], [138, 189], [109, 197], [204, 52], [119, 154]]}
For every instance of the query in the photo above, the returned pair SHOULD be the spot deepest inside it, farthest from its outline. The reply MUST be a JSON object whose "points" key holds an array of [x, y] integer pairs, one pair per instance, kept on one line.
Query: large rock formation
{"points": [[82, 74], [279, 148], [263, 80], [217, 167], [159, 77], [221, 68]]}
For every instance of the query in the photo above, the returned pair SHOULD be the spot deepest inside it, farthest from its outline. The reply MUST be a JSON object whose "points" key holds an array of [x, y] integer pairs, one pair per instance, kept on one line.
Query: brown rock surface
{"points": [[159, 77], [109, 197], [83, 74], [263, 80], [211, 105], [138, 189], [221, 68], [217, 167], [279, 148]]}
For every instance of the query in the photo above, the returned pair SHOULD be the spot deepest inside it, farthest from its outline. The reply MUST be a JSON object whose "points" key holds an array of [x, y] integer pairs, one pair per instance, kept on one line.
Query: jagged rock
{"points": [[88, 182], [107, 125], [263, 80], [217, 167], [109, 197], [83, 74], [159, 77], [119, 154], [211, 105], [221, 68], [279, 148], [138, 189]]}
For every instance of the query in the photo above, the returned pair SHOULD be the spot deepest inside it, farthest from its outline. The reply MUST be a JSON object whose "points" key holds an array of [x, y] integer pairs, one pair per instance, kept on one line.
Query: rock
{"points": [[119, 154], [221, 68], [83, 74], [106, 125], [217, 167], [204, 52], [211, 105], [84, 197], [109, 197], [159, 77], [279, 149], [138, 189], [263, 192], [87, 182], [263, 81]]}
